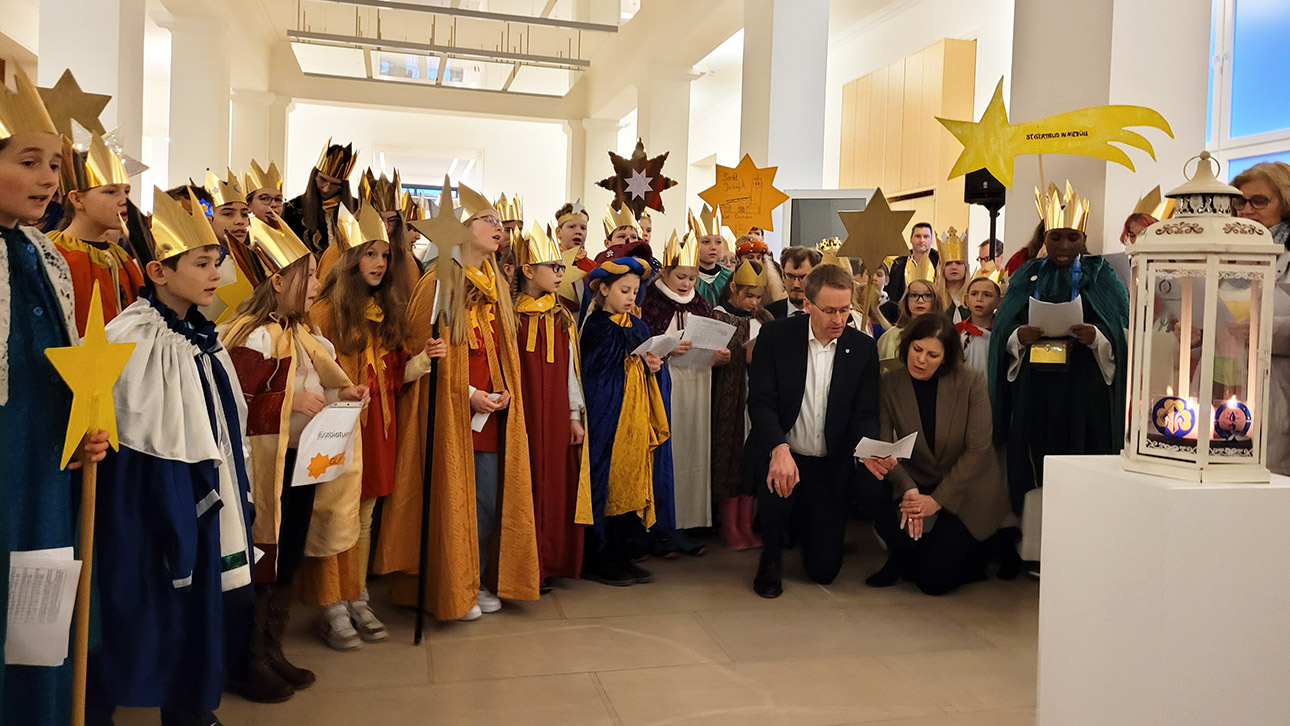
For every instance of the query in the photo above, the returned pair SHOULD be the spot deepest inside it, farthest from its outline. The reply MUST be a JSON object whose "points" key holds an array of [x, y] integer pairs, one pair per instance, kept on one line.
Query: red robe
{"points": [[555, 463]]}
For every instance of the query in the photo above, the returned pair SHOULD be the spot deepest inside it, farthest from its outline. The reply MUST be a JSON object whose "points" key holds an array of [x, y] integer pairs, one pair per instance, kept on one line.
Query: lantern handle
{"points": [[1204, 156]]}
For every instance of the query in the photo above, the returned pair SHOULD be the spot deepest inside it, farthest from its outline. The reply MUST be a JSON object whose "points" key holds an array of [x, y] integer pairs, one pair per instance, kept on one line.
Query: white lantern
{"points": [[1200, 339]]}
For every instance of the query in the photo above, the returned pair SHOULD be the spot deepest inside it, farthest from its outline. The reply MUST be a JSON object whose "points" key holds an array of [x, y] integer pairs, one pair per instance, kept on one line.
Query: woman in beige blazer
{"points": [[936, 509]]}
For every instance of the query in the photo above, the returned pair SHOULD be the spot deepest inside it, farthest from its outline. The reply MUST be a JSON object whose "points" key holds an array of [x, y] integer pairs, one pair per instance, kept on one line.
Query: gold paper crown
{"points": [[537, 249], [828, 258], [954, 246], [1060, 211], [22, 110], [410, 209], [577, 211], [1155, 205], [828, 244], [383, 194], [94, 167], [473, 202], [258, 178], [989, 272], [268, 251], [512, 210], [615, 219], [707, 223], [224, 192], [336, 161], [681, 252], [747, 276], [356, 231], [176, 231]]}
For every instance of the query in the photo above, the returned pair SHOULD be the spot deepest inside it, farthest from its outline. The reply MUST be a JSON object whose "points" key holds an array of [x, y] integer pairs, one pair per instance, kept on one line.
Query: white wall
{"points": [[905, 27], [715, 106], [511, 156]]}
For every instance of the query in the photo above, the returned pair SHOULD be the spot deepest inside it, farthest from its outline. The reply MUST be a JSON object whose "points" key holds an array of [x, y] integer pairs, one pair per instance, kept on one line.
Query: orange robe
{"points": [[107, 264]]}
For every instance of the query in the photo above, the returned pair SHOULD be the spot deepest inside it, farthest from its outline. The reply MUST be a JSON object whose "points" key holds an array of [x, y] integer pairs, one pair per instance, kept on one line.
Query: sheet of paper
{"points": [[1056, 319], [42, 598], [708, 336], [869, 448], [478, 420], [660, 345], [327, 444]]}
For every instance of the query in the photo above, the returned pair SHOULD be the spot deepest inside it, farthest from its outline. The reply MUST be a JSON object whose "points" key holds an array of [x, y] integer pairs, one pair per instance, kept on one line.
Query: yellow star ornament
{"points": [[993, 144], [90, 370], [233, 294], [746, 195], [875, 233]]}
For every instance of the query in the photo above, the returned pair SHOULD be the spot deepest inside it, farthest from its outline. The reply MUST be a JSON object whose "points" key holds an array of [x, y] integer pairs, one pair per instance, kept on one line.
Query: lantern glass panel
{"points": [[1174, 406]]}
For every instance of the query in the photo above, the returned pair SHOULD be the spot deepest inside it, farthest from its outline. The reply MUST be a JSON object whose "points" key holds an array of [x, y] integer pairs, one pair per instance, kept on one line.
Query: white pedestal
{"points": [[1162, 602]]}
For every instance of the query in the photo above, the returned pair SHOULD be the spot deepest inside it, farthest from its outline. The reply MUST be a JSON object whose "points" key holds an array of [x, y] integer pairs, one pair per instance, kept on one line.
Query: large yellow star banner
{"points": [[746, 195], [993, 144]]}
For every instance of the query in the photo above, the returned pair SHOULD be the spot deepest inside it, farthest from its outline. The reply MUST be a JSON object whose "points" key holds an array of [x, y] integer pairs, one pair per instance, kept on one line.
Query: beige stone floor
{"points": [[696, 646]]}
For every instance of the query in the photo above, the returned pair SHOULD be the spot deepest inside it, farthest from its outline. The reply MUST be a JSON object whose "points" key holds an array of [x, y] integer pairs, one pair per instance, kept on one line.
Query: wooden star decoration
{"points": [[90, 370], [638, 181], [66, 102], [444, 230], [233, 294], [746, 195], [875, 233]]}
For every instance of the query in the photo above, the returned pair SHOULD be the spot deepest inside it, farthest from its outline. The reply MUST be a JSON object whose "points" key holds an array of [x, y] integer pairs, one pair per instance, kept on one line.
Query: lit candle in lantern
{"points": [[1232, 420], [1174, 416]]}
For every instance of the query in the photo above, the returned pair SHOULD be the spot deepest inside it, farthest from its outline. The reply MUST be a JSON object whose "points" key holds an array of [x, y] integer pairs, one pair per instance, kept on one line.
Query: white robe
{"points": [[691, 426]]}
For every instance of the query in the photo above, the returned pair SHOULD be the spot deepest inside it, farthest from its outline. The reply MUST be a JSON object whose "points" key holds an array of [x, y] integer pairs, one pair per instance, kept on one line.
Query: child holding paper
{"points": [[288, 373], [38, 497], [734, 500], [668, 303], [362, 310], [626, 422], [173, 512]]}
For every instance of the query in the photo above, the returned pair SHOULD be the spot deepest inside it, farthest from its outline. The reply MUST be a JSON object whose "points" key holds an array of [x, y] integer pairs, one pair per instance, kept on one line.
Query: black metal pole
{"points": [[423, 556]]}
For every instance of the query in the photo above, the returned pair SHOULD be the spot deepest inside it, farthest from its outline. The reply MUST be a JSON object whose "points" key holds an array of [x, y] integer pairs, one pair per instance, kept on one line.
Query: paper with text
{"points": [[327, 444], [42, 599], [1056, 319]]}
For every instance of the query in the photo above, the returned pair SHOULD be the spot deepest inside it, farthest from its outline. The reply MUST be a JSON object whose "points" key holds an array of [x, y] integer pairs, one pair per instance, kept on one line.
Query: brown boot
{"points": [[261, 683], [279, 614]]}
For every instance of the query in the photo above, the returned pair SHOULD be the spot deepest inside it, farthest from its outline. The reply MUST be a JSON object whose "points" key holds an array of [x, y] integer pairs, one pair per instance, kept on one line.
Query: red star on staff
{"points": [[639, 164]]}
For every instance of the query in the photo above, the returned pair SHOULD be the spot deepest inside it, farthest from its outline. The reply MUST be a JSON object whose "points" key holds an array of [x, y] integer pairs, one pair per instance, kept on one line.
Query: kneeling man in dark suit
{"points": [[812, 395]]}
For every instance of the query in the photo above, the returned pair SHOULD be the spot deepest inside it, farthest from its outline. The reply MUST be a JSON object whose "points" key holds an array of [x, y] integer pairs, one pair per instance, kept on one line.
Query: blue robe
{"points": [[159, 563], [39, 498]]}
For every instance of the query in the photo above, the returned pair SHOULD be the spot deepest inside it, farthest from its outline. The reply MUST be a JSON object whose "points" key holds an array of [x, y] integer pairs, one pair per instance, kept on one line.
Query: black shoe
{"points": [[171, 717], [889, 574], [639, 574], [609, 575], [1011, 565], [767, 583], [545, 587]]}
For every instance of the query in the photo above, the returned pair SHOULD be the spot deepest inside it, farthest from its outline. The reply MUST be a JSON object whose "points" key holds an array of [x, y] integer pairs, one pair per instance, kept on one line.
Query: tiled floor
{"points": [[694, 647]]}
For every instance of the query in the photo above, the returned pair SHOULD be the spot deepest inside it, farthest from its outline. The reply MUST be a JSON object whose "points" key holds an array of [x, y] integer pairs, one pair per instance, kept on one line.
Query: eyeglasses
{"points": [[490, 219], [921, 296], [1257, 202], [555, 266], [831, 312], [794, 278], [985, 259]]}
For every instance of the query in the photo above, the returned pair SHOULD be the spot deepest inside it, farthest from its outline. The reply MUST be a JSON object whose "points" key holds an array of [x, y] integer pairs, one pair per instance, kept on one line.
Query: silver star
{"points": [[579, 209], [638, 184]]}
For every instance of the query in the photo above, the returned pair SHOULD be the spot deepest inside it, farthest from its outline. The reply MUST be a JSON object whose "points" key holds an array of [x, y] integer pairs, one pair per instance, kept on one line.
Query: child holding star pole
{"points": [[37, 505]]}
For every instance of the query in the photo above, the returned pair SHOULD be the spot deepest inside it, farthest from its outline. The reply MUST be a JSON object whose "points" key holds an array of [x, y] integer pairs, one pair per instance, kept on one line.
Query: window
{"points": [[1249, 118]]}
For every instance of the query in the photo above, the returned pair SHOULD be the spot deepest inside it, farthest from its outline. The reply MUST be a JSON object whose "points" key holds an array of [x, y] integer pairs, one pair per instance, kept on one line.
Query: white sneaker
{"points": [[488, 602], [369, 627], [473, 614], [336, 629]]}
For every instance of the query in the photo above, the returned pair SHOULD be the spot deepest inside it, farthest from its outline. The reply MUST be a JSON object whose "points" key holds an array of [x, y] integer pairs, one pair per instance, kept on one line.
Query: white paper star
{"points": [[638, 184], [579, 209]]}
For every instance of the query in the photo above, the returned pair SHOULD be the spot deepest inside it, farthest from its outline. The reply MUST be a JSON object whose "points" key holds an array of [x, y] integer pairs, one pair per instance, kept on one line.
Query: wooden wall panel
{"points": [[911, 155], [871, 167], [846, 148], [892, 144], [859, 153]]}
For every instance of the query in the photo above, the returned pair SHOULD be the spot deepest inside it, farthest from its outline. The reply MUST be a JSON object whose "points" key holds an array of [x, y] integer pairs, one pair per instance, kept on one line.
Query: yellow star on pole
{"points": [[66, 102], [444, 230], [233, 294], [746, 195], [90, 370], [875, 233]]}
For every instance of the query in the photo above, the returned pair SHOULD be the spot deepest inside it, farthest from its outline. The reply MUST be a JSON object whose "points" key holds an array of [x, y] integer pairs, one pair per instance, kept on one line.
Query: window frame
{"points": [[1220, 143]]}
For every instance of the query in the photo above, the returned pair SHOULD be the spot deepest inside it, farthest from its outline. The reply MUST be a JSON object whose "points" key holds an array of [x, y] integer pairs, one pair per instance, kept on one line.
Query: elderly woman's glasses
{"points": [[1257, 202]]}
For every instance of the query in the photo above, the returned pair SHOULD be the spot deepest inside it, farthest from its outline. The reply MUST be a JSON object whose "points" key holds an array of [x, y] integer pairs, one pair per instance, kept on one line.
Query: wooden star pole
{"points": [[90, 370], [873, 235]]}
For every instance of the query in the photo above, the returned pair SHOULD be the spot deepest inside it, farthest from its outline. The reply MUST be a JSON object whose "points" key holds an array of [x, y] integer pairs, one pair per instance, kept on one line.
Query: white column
{"points": [[101, 41], [600, 136], [575, 159], [1141, 61], [786, 44], [279, 123], [250, 131], [663, 122], [199, 97]]}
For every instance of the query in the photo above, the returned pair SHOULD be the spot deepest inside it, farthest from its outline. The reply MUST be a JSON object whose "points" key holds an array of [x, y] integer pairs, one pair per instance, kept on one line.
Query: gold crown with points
{"points": [[1155, 205], [1062, 211], [336, 161], [989, 272], [512, 210], [383, 194], [616, 219], [270, 249], [224, 192], [473, 202], [258, 178], [828, 258], [176, 230], [577, 211], [746, 275], [828, 244], [410, 208], [538, 249], [681, 252], [708, 223], [954, 246], [22, 110], [93, 167], [358, 230]]}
